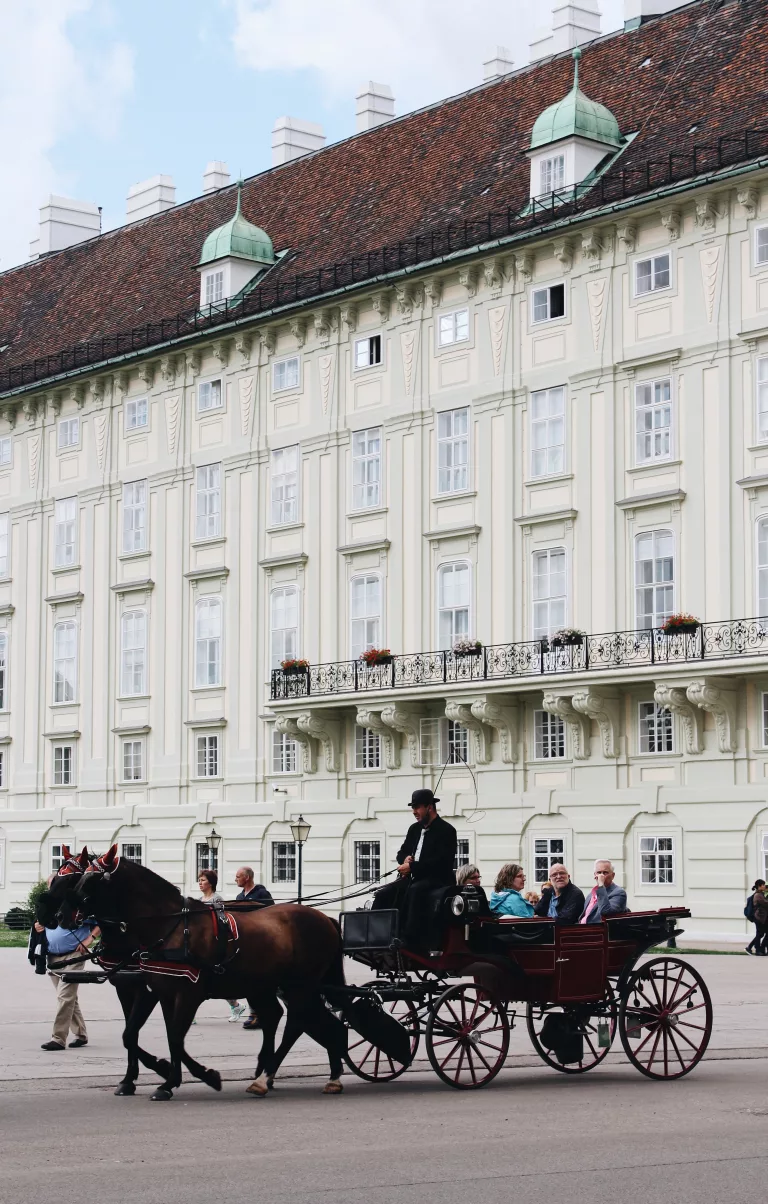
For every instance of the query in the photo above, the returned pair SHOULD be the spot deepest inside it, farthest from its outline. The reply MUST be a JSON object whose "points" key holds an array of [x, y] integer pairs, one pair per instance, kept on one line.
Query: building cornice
{"points": [[288, 558], [133, 587], [537, 517], [217, 721], [204, 572], [365, 545], [468, 529], [64, 599], [132, 729], [639, 500]]}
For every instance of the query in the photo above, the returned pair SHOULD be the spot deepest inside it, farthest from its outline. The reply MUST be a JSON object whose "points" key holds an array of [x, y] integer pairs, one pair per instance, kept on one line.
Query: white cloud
{"points": [[49, 87], [425, 49]]}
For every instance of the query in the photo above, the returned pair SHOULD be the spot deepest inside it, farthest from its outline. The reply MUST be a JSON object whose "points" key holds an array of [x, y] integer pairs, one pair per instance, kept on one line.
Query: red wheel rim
{"points": [[666, 1019], [371, 1063], [467, 1037]]}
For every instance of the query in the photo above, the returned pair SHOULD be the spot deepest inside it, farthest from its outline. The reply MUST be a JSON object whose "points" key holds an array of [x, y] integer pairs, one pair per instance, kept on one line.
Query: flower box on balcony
{"points": [[567, 637], [466, 647], [376, 656], [681, 625], [292, 668]]}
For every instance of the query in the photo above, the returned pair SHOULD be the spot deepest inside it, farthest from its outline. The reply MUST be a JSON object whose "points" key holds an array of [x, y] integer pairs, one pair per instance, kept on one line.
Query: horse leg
{"points": [[294, 1027], [322, 1026], [178, 1012], [138, 1003], [270, 1012]]}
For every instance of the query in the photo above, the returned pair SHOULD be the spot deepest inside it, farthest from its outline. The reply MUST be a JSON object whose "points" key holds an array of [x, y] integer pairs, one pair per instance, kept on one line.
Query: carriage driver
{"points": [[425, 861]]}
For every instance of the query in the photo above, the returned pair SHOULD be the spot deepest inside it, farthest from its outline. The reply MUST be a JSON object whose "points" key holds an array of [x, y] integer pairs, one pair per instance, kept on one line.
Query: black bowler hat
{"points": [[422, 798]]}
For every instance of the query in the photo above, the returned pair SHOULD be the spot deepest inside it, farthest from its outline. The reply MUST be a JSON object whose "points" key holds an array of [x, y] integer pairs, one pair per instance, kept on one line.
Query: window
{"points": [[453, 587], [547, 851], [365, 613], [3, 669], [764, 849], [367, 860], [133, 652], [652, 274], [208, 756], [63, 765], [3, 783], [443, 741], [5, 564], [548, 736], [462, 853], [761, 245], [654, 578], [133, 760], [366, 468], [209, 396], [457, 743], [762, 396], [136, 413], [205, 858], [548, 303], [285, 374], [57, 858], [283, 861], [368, 351], [653, 420], [65, 531], [132, 852], [765, 720], [453, 328], [656, 733], [284, 624], [214, 287], [549, 592], [69, 432], [6, 451], [657, 860], [285, 485], [208, 642], [429, 742], [208, 520], [283, 753], [367, 748], [135, 516], [453, 451], [551, 174], [547, 432], [64, 662]]}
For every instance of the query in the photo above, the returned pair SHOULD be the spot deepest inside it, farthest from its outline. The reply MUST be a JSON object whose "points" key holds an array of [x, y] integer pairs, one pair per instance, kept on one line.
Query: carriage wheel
{"points": [[665, 1018], [589, 1022], [467, 1037], [371, 1063]]}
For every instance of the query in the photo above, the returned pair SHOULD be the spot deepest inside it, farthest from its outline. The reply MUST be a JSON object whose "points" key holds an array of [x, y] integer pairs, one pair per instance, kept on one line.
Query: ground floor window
{"points": [[205, 858], [462, 852], [283, 861], [132, 851], [367, 860], [207, 756], [657, 860], [63, 765], [547, 850], [57, 858]]}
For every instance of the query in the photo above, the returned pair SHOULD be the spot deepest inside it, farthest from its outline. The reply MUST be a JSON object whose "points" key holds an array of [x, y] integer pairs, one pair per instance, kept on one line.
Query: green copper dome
{"points": [[576, 116], [238, 238]]}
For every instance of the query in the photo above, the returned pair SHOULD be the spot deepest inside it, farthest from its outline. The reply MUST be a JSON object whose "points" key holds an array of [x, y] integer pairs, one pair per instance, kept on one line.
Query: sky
{"points": [[96, 95]]}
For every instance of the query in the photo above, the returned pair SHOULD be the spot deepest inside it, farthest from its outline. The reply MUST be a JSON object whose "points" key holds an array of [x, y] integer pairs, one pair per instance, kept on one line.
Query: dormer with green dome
{"points": [[570, 139], [232, 255]]}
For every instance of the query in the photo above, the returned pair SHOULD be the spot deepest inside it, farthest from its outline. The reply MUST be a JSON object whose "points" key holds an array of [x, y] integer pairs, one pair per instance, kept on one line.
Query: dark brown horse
{"points": [[288, 948]]}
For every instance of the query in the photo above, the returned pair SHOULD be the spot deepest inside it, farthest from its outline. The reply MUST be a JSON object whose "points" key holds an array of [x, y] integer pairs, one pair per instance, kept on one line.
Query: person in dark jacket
{"points": [[606, 899], [250, 890], [563, 902], [756, 945], [760, 912], [425, 860]]}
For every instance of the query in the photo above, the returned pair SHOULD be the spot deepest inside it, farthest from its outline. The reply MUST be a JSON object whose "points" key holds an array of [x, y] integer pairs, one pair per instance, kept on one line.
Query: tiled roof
{"points": [[700, 65]]}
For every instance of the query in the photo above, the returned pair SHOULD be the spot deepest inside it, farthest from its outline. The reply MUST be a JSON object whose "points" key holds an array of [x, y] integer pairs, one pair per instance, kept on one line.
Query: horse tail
{"points": [[334, 976]]}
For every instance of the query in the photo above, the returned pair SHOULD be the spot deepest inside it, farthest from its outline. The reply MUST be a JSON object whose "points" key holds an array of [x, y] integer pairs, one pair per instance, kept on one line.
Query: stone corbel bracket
{"points": [[288, 726], [146, 373], [524, 266], [401, 720], [749, 199], [382, 303], [220, 350], [505, 720], [348, 316], [168, 369], [706, 214], [327, 732], [721, 702], [461, 712], [268, 341], [592, 244], [494, 274], [325, 320], [562, 705], [390, 741], [433, 290], [468, 279], [243, 346], [627, 236], [605, 711], [671, 220], [298, 328], [675, 699], [407, 296], [562, 249]]}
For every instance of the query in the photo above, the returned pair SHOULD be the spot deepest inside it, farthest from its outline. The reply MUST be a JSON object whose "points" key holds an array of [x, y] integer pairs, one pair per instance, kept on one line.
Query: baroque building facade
{"points": [[564, 429]]}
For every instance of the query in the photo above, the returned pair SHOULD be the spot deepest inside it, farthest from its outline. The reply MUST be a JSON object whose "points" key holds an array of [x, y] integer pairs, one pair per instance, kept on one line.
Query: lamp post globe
{"points": [[213, 840], [300, 830]]}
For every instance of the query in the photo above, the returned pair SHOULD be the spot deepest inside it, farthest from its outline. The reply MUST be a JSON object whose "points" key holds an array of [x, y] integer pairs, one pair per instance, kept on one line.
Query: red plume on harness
{"points": [[105, 864], [73, 864]]}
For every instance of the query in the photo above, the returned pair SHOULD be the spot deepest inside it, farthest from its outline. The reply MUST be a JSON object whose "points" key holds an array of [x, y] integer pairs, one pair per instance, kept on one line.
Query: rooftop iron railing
{"points": [[529, 659]]}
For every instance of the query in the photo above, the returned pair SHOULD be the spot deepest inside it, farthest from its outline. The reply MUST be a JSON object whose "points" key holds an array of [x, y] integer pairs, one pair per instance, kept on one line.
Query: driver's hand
{"points": [[405, 868]]}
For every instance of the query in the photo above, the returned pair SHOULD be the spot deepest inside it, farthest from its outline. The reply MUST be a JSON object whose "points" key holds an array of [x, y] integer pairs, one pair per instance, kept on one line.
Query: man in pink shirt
{"points": [[606, 899]]}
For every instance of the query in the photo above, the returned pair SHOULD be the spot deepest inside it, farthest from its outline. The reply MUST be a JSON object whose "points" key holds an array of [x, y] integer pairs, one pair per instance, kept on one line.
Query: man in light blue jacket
{"points": [[606, 899]]}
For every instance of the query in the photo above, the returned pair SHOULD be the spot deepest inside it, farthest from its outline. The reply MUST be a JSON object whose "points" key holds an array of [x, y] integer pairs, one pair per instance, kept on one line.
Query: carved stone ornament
{"points": [[325, 372], [323, 323], [671, 220], [348, 315], [524, 266], [146, 372], [720, 701], [101, 429], [433, 290], [675, 699], [496, 317], [220, 351], [468, 279], [605, 711], [407, 341], [710, 260], [562, 249], [562, 705], [245, 389], [749, 199], [172, 423], [592, 245], [401, 720], [288, 726], [29, 408], [461, 712], [243, 346], [80, 393], [268, 341], [298, 328], [10, 414], [706, 214], [494, 274], [33, 459], [168, 369], [406, 299], [56, 401], [382, 303], [98, 390], [389, 741], [627, 236], [504, 720], [326, 730]]}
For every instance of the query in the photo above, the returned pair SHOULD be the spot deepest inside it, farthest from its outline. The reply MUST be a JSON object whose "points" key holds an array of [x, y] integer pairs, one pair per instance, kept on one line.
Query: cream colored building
{"points": [[567, 428]]}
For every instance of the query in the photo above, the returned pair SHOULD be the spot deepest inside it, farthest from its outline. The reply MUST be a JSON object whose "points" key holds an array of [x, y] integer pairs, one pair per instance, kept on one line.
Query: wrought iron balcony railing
{"points": [[532, 658]]}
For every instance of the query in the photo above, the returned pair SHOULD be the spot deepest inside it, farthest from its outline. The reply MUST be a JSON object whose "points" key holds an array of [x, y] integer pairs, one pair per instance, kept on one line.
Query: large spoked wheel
{"points": [[596, 1024], [467, 1037], [371, 1063], [665, 1018]]}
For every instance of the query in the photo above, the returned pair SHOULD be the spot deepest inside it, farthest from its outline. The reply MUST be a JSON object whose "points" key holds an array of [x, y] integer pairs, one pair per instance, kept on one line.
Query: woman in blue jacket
{"points": [[507, 899]]}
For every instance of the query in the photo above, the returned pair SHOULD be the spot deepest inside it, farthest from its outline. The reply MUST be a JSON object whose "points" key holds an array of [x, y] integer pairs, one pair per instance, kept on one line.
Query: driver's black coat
{"points": [[438, 853]]}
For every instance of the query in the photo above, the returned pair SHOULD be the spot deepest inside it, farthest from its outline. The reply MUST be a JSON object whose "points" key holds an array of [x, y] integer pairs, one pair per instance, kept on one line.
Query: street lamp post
{"points": [[300, 830], [213, 840]]}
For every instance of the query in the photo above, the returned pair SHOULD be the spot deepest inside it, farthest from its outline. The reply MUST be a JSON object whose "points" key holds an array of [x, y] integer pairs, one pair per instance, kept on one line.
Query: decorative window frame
{"points": [[639, 383], [565, 470], [7, 467], [274, 587], [70, 447], [534, 758], [639, 750], [211, 410], [438, 569], [381, 366], [536, 324], [382, 468], [441, 495], [285, 390], [130, 431], [354, 576], [668, 290], [557, 834], [635, 535], [457, 344], [134, 738]]}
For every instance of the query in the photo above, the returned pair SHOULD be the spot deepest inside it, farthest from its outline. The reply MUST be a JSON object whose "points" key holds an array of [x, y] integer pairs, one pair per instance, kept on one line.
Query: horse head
{"points": [[57, 905], [96, 875]]}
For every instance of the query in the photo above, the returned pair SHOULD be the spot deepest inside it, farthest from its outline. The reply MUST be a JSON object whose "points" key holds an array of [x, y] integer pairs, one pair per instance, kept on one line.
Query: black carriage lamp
{"points": [[300, 830], [213, 840]]}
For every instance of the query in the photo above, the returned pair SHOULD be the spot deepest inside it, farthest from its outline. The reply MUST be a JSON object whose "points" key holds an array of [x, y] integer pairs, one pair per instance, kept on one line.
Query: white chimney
{"points": [[500, 64], [64, 222], [215, 176], [149, 197], [292, 138], [573, 23], [636, 11], [374, 105]]}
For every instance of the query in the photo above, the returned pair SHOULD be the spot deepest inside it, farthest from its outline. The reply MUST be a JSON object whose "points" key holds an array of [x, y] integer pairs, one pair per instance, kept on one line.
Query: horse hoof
{"points": [[126, 1089], [212, 1078], [258, 1088], [162, 1093], [333, 1087]]}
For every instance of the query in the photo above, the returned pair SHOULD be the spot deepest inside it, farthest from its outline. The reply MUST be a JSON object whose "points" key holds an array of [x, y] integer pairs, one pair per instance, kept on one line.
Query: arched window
{"points": [[654, 578], [762, 566], [208, 642], [454, 582], [284, 624], [64, 662], [550, 594], [133, 652], [365, 613]]}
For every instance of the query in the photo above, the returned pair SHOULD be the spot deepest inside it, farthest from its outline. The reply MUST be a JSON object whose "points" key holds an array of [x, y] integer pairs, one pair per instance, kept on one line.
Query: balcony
{"points": [[710, 642]]}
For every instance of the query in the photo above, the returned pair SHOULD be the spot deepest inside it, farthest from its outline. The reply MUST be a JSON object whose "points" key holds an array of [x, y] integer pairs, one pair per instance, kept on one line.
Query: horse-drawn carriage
{"points": [[577, 985]]}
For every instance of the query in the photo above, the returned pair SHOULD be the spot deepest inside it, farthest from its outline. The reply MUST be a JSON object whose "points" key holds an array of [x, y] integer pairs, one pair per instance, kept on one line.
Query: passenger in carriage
{"points": [[563, 902], [469, 875], [606, 898], [507, 898]]}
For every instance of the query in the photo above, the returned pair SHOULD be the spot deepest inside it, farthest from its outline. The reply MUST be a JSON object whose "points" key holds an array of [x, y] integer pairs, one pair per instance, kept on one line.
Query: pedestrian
{"points": [[64, 945], [757, 911], [251, 891], [208, 880]]}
